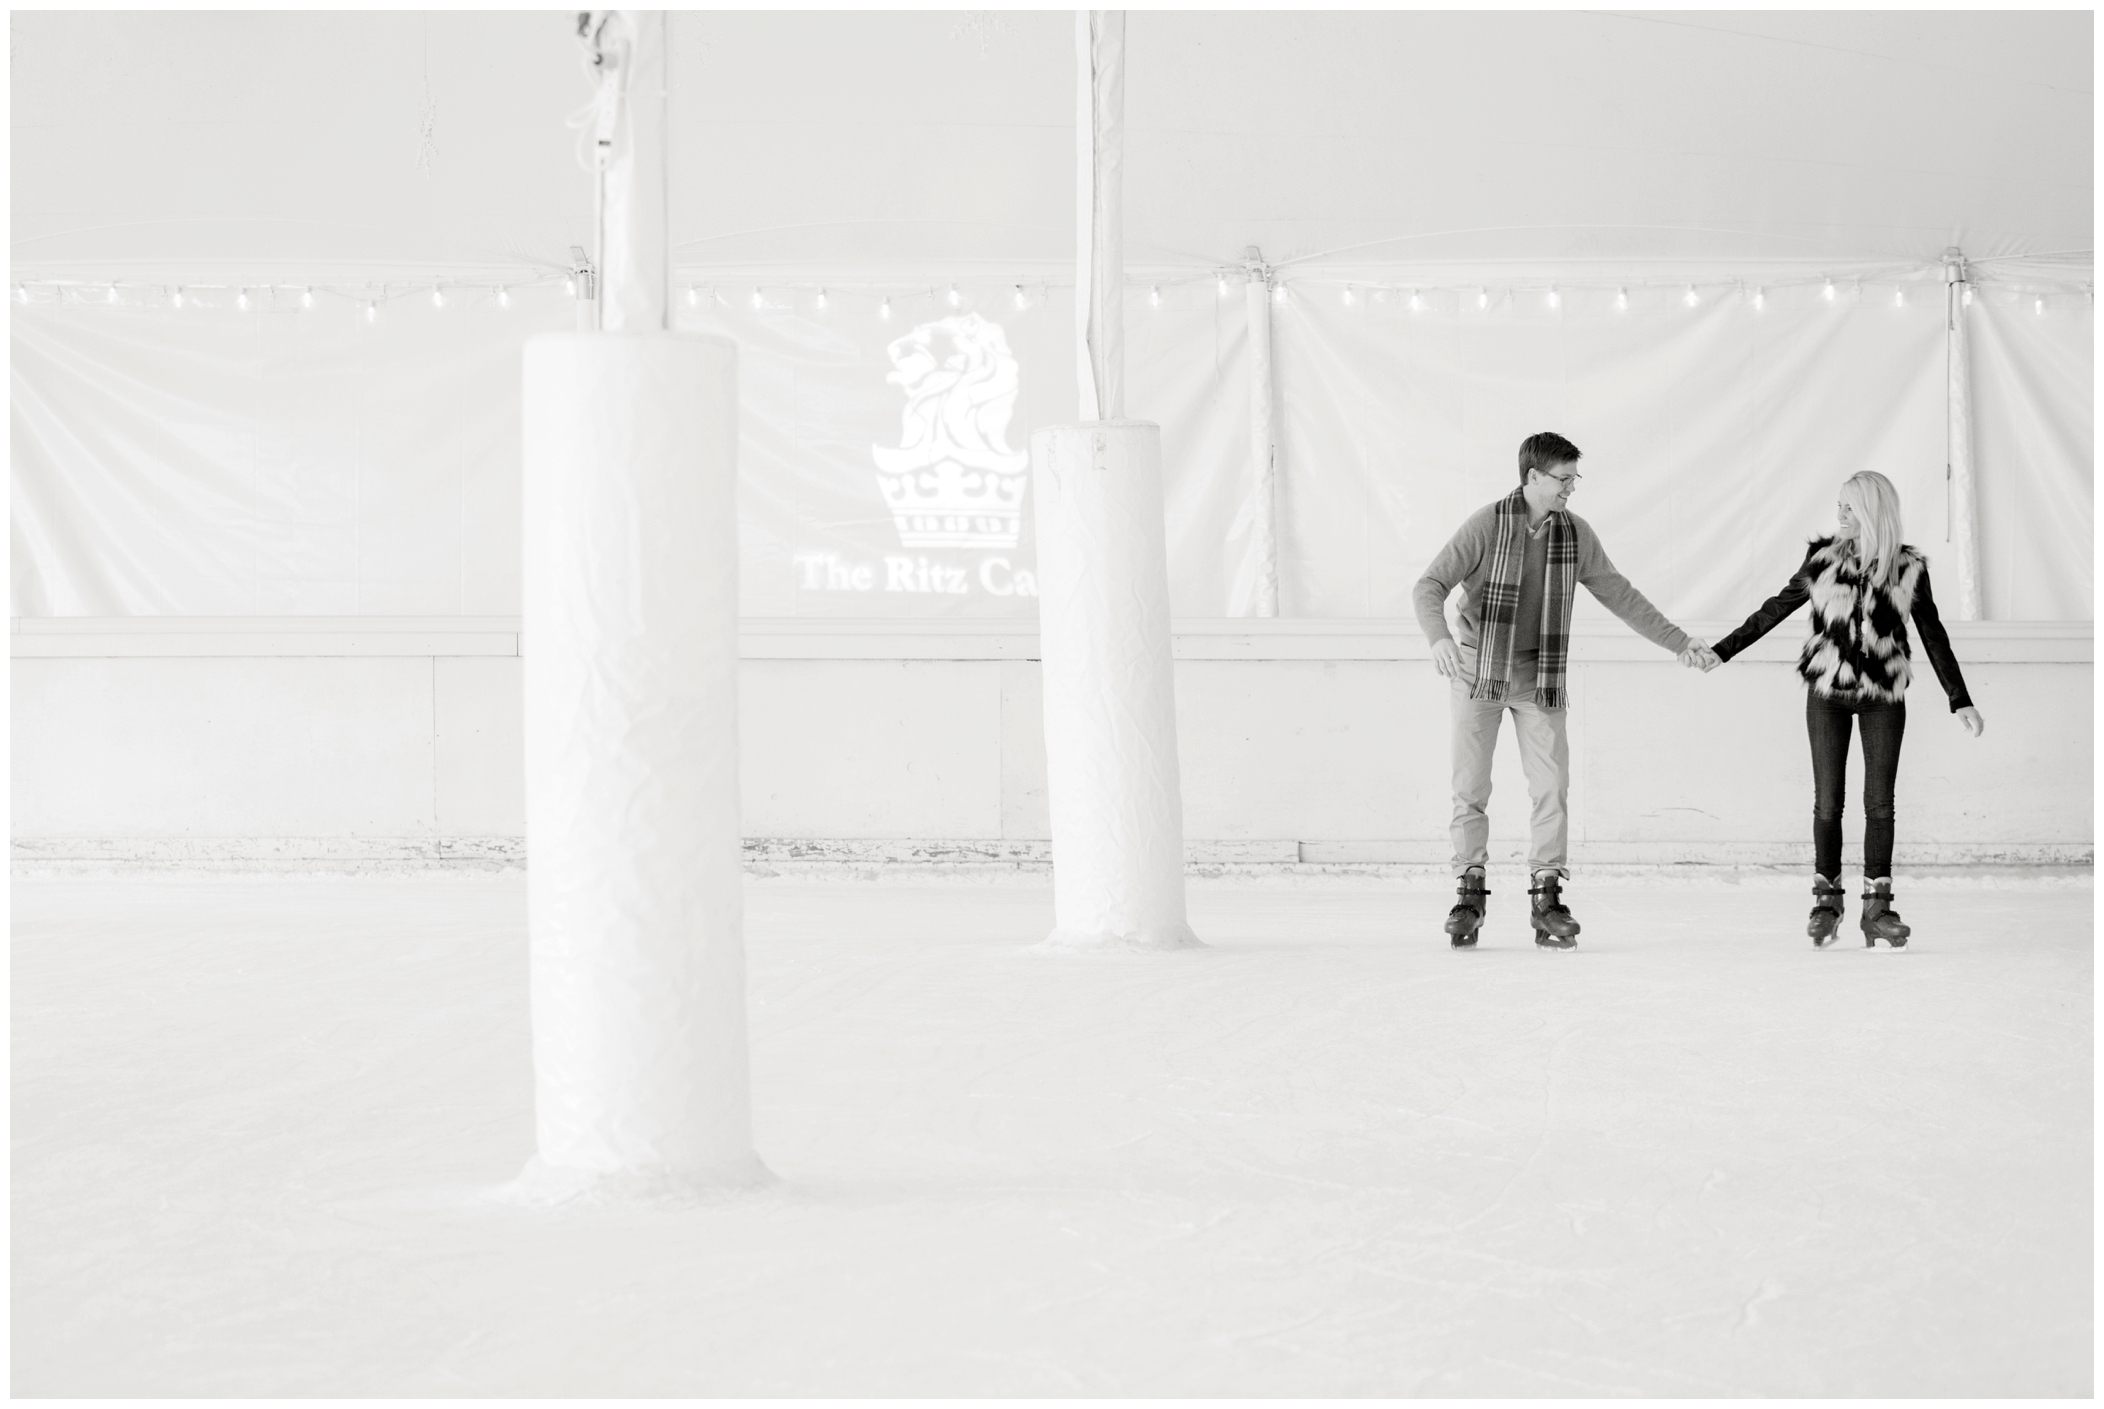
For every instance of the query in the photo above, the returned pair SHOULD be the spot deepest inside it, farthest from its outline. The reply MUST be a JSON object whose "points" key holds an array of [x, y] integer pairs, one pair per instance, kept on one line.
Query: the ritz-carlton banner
{"points": [[886, 466]]}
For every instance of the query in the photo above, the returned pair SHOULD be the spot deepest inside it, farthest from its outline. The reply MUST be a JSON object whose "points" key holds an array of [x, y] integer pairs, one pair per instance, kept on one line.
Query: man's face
{"points": [[1552, 488]]}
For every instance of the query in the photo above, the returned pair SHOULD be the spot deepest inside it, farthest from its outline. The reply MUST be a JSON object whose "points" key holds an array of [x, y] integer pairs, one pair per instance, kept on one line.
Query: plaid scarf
{"points": [[1501, 606]]}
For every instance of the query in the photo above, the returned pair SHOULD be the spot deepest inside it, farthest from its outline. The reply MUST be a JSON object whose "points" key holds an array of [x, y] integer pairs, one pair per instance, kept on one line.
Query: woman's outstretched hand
{"points": [[1698, 656], [1970, 718]]}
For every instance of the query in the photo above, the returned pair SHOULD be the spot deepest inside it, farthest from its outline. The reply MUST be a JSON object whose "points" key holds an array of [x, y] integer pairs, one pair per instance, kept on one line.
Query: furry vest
{"points": [[1858, 649]]}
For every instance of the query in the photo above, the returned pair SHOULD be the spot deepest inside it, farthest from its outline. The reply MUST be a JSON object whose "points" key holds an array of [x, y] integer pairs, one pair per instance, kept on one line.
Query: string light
{"points": [[1967, 295], [1020, 301], [1154, 297], [1828, 292], [757, 301], [955, 297], [241, 300], [2038, 306], [1621, 300], [1899, 298], [1223, 286], [884, 310], [1482, 298], [1350, 297], [112, 295], [570, 285], [22, 294], [1693, 298], [1417, 303], [504, 296], [438, 298], [822, 301], [175, 298], [1278, 293], [307, 297], [1555, 299], [372, 311], [1760, 299]]}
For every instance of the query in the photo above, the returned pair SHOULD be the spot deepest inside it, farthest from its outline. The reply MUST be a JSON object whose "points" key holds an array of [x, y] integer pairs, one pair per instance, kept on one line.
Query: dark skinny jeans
{"points": [[1828, 723]]}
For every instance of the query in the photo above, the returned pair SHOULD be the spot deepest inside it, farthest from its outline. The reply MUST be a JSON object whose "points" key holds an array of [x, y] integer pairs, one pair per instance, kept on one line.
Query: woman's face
{"points": [[1845, 517]]}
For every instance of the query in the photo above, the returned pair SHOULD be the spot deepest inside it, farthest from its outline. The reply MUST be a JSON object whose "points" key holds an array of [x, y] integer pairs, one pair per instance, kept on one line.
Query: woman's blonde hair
{"points": [[1875, 503]]}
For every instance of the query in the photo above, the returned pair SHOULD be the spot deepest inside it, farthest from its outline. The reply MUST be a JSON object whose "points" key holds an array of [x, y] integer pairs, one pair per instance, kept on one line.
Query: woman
{"points": [[1863, 584]]}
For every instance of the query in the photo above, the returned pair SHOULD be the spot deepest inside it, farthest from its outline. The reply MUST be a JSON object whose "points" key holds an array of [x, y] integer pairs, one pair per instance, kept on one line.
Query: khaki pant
{"points": [[1544, 753]]}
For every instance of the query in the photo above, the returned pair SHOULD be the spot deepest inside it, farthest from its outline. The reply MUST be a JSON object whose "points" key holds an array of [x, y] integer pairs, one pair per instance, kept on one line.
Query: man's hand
{"points": [[1446, 659], [1698, 656], [1970, 718]]}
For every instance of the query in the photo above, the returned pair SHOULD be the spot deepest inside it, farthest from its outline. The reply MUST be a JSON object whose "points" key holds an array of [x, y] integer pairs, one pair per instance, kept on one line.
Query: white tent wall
{"points": [[211, 461], [379, 485], [266, 559]]}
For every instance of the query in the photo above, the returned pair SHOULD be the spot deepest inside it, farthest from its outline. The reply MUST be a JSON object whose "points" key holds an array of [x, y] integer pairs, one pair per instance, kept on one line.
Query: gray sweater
{"points": [[1466, 561]]}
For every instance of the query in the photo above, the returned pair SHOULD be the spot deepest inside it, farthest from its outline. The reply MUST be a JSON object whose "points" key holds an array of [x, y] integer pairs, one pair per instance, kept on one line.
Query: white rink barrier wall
{"points": [[350, 744]]}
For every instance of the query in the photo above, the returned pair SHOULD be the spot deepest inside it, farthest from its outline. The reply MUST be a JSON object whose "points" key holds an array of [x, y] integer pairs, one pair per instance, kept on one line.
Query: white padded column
{"points": [[631, 690], [1110, 702]]}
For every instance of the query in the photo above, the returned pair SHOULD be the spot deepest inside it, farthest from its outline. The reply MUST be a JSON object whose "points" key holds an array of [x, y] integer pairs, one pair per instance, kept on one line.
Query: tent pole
{"points": [[1099, 249], [1263, 440], [634, 900], [1112, 779], [1959, 469], [635, 268]]}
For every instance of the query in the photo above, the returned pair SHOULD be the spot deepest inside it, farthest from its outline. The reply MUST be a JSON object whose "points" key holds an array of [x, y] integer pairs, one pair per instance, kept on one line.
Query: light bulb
{"points": [[22, 295], [438, 298], [1223, 286], [1899, 298], [821, 300], [2038, 306], [1760, 299], [1621, 300], [757, 300], [1482, 298], [372, 312], [112, 297], [241, 300], [307, 298], [570, 285], [1693, 298], [1417, 303], [1555, 299], [1020, 301], [1828, 292], [503, 297], [955, 297], [884, 310], [1154, 297], [1278, 294], [175, 298], [1968, 295], [693, 296], [1350, 297]]}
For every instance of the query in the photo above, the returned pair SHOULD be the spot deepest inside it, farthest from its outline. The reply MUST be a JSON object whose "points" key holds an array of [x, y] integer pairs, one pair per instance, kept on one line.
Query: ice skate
{"points": [[1825, 923], [1554, 925], [1467, 915], [1880, 920]]}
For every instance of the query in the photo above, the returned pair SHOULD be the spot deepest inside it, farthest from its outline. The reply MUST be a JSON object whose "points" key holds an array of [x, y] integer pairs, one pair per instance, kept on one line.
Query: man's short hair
{"points": [[1540, 452]]}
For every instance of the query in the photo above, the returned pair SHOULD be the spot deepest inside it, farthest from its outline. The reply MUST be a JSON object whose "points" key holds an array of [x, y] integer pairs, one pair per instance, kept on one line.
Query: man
{"points": [[1519, 562]]}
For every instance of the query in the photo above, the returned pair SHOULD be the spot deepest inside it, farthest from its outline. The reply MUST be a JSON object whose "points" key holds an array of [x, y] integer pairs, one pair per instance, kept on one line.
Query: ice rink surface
{"points": [[257, 1123]]}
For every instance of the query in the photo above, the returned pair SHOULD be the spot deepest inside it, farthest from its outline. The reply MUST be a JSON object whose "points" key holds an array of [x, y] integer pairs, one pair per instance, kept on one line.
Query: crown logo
{"points": [[952, 481]]}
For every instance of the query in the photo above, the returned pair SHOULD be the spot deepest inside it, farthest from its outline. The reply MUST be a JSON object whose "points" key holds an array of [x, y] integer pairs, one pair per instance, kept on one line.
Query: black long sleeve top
{"points": [[1927, 621]]}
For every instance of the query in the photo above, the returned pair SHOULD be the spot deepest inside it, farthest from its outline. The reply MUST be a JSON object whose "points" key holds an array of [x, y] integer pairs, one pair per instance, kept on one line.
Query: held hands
{"points": [[1970, 718], [1698, 656]]}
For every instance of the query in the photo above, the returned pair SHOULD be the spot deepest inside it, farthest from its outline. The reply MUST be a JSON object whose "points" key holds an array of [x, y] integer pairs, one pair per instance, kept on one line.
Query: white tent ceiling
{"points": [[888, 139]]}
